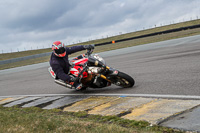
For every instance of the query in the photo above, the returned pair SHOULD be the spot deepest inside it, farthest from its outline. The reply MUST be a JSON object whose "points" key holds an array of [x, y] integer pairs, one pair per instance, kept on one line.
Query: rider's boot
{"points": [[76, 85]]}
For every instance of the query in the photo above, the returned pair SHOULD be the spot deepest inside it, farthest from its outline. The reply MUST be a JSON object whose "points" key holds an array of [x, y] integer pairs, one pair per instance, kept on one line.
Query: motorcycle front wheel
{"points": [[124, 80]]}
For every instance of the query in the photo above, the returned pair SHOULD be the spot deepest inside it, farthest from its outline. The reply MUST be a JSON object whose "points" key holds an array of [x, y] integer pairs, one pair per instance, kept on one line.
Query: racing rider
{"points": [[60, 64]]}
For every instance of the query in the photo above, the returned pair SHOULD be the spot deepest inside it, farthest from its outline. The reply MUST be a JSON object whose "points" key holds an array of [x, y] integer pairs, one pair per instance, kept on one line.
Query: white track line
{"points": [[120, 95]]}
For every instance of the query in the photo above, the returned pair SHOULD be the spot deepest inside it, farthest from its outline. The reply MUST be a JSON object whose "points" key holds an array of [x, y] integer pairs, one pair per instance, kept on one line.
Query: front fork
{"points": [[111, 72]]}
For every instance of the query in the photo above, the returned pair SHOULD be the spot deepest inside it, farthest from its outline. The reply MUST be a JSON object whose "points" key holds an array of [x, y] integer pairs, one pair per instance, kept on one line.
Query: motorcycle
{"points": [[92, 71]]}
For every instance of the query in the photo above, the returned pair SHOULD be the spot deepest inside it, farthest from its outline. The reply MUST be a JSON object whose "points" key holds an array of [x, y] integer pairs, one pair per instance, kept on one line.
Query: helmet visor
{"points": [[60, 50]]}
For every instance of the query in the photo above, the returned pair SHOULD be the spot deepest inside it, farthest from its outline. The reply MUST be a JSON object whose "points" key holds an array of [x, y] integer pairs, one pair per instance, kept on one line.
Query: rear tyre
{"points": [[124, 80]]}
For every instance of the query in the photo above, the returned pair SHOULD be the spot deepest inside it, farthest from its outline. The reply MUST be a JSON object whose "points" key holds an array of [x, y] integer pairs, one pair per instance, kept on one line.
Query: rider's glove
{"points": [[89, 47]]}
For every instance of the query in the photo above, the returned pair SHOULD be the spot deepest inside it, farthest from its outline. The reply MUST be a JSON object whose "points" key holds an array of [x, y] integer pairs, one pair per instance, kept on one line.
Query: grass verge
{"points": [[14, 119], [6, 56], [108, 47]]}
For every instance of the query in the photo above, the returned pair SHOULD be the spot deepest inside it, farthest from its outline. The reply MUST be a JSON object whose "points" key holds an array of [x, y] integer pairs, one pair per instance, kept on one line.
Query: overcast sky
{"points": [[27, 24]]}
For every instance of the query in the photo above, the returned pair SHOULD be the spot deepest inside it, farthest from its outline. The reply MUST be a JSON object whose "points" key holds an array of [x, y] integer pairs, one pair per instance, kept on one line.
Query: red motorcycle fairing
{"points": [[76, 70], [79, 61], [78, 67]]}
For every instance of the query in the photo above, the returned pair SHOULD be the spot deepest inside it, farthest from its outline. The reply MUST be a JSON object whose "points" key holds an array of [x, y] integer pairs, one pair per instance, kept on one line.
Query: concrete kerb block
{"points": [[152, 110], [21, 101], [89, 103], [161, 109], [9, 99], [120, 106]]}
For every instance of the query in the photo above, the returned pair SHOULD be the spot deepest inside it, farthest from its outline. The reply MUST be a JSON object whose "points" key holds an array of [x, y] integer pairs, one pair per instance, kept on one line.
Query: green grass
{"points": [[21, 120], [6, 56], [143, 32], [108, 47]]}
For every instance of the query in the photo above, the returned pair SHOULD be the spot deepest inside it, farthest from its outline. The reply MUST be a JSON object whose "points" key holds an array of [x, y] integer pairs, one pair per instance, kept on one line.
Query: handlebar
{"points": [[89, 52]]}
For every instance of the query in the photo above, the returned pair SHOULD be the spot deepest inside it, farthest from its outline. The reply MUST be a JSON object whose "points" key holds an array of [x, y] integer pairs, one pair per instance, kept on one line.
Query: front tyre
{"points": [[124, 80]]}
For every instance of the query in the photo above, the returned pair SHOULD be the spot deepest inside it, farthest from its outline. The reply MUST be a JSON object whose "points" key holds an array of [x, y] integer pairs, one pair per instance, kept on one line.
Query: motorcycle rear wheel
{"points": [[124, 80]]}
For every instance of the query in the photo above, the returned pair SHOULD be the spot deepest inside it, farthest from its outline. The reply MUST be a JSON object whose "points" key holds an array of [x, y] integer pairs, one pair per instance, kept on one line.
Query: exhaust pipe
{"points": [[60, 82]]}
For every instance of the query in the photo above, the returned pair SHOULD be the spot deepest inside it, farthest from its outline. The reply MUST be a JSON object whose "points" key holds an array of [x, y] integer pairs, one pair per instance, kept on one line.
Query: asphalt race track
{"points": [[168, 68]]}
